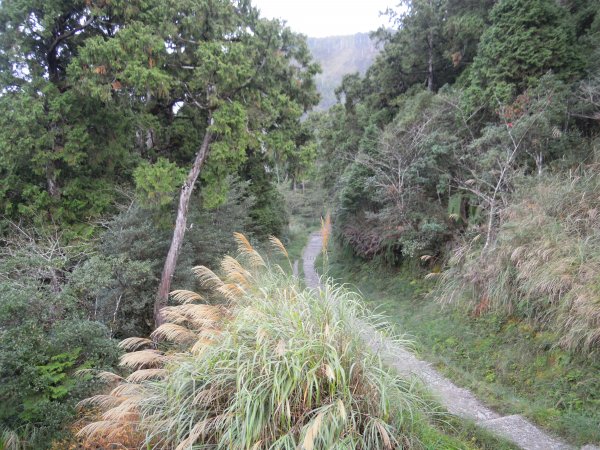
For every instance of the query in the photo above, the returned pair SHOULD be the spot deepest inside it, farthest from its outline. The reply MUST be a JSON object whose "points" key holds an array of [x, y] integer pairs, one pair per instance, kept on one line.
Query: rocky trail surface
{"points": [[458, 401]]}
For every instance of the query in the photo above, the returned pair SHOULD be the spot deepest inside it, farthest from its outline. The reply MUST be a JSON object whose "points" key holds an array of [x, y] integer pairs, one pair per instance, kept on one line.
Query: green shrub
{"points": [[44, 341]]}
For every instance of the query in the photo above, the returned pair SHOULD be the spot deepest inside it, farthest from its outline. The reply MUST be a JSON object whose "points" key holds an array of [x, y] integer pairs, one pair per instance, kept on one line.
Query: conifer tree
{"points": [[526, 39], [235, 78], [60, 152]]}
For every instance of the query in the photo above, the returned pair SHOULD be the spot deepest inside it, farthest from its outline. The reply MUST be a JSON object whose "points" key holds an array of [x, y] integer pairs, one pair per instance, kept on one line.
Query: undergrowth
{"points": [[544, 265], [507, 361]]}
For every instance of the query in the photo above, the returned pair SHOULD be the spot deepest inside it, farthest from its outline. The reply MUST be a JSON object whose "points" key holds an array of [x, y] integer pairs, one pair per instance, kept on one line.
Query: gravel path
{"points": [[460, 402]]}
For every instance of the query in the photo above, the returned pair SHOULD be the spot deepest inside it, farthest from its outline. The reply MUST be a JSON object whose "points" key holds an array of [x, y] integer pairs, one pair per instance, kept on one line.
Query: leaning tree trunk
{"points": [[180, 225]]}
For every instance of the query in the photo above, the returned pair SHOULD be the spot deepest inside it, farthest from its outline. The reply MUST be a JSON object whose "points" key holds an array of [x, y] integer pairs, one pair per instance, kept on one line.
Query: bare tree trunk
{"points": [[430, 62], [180, 226], [51, 182], [539, 161], [497, 189], [490, 225]]}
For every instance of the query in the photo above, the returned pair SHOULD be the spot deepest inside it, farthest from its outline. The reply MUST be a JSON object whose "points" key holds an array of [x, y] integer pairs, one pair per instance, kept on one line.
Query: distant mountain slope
{"points": [[338, 56]]}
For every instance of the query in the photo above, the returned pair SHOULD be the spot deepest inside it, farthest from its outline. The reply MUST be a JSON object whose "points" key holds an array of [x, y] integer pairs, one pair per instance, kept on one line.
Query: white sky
{"points": [[320, 18]]}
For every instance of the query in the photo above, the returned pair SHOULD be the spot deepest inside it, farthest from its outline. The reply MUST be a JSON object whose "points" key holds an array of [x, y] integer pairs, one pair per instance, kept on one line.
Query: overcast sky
{"points": [[319, 18]]}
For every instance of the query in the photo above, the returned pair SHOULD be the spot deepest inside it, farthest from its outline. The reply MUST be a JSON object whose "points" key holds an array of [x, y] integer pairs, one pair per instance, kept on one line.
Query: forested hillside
{"points": [[471, 109], [339, 56], [151, 151], [465, 161]]}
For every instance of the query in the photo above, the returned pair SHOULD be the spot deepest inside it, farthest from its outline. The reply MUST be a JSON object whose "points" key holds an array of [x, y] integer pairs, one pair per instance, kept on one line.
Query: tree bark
{"points": [[180, 226], [430, 80]]}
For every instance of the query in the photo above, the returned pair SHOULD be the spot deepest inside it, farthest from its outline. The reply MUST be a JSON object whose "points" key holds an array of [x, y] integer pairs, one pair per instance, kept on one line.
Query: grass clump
{"points": [[268, 366], [544, 265]]}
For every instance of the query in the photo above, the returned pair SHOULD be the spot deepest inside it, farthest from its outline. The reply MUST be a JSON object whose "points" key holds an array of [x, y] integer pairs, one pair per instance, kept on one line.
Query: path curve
{"points": [[458, 401]]}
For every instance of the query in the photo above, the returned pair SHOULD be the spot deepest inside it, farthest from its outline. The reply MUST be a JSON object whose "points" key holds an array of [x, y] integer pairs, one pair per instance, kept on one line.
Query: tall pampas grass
{"points": [[273, 366], [9, 440], [544, 264]]}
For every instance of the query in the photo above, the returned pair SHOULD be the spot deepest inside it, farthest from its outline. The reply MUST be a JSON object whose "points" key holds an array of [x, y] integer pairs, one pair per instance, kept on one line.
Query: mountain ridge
{"points": [[339, 56]]}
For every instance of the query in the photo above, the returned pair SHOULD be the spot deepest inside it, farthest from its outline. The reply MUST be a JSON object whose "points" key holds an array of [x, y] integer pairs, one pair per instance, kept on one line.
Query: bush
{"points": [[544, 264], [268, 366], [43, 343], [45, 337]]}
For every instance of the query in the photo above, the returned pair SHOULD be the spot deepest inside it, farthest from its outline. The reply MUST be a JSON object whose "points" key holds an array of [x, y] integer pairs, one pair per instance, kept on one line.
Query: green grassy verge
{"points": [[507, 363]]}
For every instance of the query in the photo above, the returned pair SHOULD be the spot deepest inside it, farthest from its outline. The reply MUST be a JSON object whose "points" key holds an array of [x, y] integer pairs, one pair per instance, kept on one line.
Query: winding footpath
{"points": [[458, 401]]}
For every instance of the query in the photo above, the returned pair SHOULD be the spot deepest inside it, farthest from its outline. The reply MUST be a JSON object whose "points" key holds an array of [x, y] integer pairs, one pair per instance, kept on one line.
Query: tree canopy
{"points": [[94, 88]]}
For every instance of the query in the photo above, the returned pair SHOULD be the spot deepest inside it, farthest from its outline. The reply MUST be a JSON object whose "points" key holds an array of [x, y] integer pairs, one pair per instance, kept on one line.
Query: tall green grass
{"points": [[262, 364]]}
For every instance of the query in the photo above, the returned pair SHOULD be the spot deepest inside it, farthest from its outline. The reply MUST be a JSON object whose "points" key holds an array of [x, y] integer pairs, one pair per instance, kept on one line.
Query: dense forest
{"points": [[471, 145], [138, 137]]}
